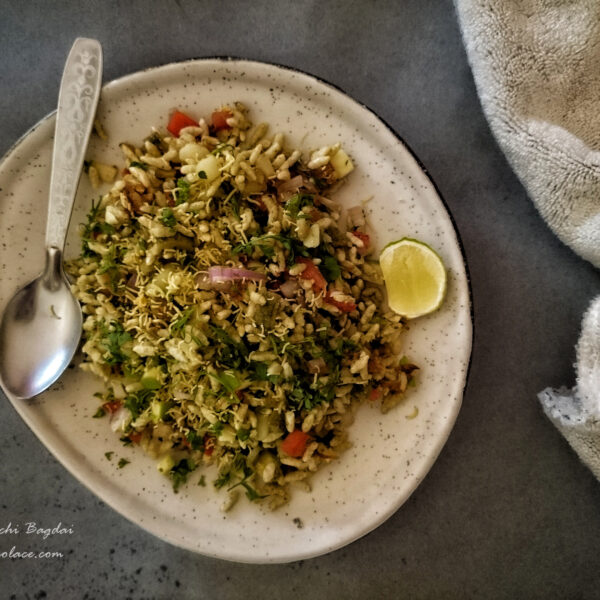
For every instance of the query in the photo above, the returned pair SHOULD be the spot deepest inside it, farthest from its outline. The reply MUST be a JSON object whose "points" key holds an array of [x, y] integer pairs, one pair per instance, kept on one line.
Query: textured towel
{"points": [[536, 65]]}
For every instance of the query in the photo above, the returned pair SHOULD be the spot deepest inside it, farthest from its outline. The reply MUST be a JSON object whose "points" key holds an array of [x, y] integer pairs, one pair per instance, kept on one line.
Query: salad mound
{"points": [[231, 308]]}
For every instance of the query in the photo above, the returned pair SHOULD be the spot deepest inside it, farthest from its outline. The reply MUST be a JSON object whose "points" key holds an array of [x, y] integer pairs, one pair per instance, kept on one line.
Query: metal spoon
{"points": [[41, 324]]}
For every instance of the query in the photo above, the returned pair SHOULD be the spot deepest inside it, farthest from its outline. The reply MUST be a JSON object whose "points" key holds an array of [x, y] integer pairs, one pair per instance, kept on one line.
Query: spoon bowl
{"points": [[40, 331], [41, 324]]}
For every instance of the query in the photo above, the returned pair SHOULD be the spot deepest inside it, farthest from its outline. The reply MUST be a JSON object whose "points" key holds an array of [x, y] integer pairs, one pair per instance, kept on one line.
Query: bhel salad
{"points": [[231, 306]]}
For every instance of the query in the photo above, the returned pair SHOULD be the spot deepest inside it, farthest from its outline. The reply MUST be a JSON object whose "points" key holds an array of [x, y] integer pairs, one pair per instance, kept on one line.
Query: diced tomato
{"points": [[364, 238], [219, 119], [112, 407], [343, 306], [295, 443], [311, 272], [135, 436], [178, 121], [375, 394], [209, 445]]}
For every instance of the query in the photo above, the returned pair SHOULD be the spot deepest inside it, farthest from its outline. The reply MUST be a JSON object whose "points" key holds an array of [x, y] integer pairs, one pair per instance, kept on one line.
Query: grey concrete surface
{"points": [[507, 511]]}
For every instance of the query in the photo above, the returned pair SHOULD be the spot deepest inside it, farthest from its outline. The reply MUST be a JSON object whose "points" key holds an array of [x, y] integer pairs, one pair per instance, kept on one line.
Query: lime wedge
{"points": [[415, 277]]}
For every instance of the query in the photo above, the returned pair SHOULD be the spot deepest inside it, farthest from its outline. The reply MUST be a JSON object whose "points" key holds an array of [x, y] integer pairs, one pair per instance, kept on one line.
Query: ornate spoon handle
{"points": [[77, 101]]}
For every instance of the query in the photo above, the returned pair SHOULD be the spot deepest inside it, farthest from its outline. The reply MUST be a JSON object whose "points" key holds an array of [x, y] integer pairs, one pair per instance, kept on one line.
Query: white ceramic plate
{"points": [[391, 453]]}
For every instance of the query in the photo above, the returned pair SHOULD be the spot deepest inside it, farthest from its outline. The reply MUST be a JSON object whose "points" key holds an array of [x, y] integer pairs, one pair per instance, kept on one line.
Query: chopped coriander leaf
{"points": [[242, 434], [251, 493], [306, 395], [330, 268], [202, 481], [293, 246], [155, 139], [137, 402], [259, 372], [99, 413], [216, 428], [113, 338], [222, 479], [201, 174], [139, 165], [228, 380], [108, 261], [105, 228], [167, 217], [195, 441], [178, 325], [179, 473], [230, 353], [235, 206], [182, 192], [109, 455], [89, 229], [221, 148], [256, 242], [123, 462], [297, 202]]}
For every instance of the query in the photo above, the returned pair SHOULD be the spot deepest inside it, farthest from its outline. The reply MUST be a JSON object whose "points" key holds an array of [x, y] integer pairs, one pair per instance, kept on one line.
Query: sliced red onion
{"points": [[288, 288], [204, 282], [222, 274], [291, 185], [132, 280]]}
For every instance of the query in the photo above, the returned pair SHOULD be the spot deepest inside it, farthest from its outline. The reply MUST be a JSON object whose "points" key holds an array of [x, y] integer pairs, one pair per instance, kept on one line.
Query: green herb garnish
{"points": [[330, 268], [139, 165], [251, 493], [109, 261], [138, 402], [228, 380], [221, 148], [230, 353], [182, 192], [297, 202], [181, 321], [294, 247], [167, 217], [99, 413], [179, 473], [88, 229], [113, 338], [242, 434], [195, 441], [216, 428]]}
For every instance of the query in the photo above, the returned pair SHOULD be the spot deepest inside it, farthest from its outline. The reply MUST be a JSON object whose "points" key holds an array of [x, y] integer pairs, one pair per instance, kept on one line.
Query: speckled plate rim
{"points": [[50, 441]]}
